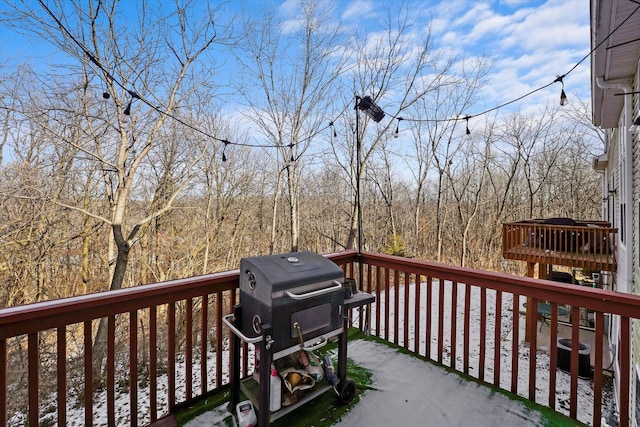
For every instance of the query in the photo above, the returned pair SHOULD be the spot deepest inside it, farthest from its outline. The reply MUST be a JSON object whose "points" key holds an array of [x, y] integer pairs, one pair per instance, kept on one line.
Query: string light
{"points": [[397, 132], [588, 55], [563, 95], [127, 111], [224, 156], [364, 103], [335, 134], [109, 81], [563, 98]]}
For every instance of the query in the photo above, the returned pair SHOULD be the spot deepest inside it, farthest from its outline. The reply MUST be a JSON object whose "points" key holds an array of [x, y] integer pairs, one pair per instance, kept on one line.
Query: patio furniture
{"points": [[544, 310]]}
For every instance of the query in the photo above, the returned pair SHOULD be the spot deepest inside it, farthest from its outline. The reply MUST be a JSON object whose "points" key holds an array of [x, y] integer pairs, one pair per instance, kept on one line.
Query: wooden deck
{"points": [[587, 244]]}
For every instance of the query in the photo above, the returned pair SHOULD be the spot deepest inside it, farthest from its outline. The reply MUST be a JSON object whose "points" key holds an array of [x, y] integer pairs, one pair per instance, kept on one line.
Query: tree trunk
{"points": [[100, 342], [294, 220]]}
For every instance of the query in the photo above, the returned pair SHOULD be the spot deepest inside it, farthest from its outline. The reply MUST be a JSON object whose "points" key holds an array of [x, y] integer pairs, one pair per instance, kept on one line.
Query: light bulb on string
{"points": [[396, 134], [106, 94], [467, 131], [126, 114], [127, 111], [563, 96], [224, 149]]}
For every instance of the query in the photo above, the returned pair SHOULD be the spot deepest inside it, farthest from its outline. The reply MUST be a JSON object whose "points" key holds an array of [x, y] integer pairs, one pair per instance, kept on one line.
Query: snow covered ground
{"points": [[419, 393], [408, 390]]}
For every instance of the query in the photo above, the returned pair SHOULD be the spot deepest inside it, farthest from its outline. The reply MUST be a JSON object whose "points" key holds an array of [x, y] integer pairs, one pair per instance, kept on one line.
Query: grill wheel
{"points": [[346, 391]]}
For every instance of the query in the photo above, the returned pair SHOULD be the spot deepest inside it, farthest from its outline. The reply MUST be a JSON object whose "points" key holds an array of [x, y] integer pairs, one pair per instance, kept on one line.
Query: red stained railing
{"points": [[454, 324], [136, 319], [465, 319]]}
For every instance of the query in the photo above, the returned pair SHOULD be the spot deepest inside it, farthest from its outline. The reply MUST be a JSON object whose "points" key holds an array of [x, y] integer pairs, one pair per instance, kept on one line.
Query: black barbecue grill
{"points": [[289, 302], [292, 292]]}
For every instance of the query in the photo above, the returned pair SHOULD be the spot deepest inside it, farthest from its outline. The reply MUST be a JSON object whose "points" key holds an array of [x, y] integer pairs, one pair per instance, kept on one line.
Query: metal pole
{"points": [[358, 203]]}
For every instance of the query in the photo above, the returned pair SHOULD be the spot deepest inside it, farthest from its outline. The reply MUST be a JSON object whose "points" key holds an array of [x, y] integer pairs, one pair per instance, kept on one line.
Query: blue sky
{"points": [[530, 41]]}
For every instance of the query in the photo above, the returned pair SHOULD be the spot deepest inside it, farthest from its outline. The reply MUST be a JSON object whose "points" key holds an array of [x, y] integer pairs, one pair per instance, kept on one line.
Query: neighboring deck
{"points": [[584, 244]]}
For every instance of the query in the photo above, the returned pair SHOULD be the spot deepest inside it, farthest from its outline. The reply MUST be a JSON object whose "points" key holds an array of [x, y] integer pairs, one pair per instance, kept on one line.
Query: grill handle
{"points": [[237, 331], [314, 294], [323, 341]]}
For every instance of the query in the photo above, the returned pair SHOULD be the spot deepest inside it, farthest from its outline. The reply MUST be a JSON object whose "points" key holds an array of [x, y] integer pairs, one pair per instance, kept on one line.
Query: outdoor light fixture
{"points": [[293, 159], [467, 131], [127, 111], [635, 127], [335, 134], [367, 105], [224, 149]]}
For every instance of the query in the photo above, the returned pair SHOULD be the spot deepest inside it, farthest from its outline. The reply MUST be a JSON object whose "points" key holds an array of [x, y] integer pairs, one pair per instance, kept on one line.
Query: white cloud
{"points": [[358, 9], [531, 45], [551, 25]]}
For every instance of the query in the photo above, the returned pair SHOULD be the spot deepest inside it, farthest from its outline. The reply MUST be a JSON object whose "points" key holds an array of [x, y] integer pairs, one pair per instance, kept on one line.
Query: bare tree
{"points": [[146, 77], [287, 82], [467, 185], [443, 111], [387, 64]]}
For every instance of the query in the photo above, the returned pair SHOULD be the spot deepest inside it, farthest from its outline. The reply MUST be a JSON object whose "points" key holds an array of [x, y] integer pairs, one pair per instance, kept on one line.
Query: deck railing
{"points": [[166, 346], [588, 245]]}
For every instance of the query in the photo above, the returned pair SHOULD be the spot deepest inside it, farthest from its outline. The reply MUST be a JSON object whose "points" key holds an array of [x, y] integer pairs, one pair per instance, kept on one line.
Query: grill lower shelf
{"points": [[251, 389]]}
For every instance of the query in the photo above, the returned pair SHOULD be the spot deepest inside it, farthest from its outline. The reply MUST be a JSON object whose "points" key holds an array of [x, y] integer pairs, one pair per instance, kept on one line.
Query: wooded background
{"points": [[140, 157]]}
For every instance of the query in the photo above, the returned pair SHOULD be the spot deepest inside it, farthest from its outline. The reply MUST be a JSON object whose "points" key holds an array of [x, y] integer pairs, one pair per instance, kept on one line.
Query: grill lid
{"points": [[265, 275]]}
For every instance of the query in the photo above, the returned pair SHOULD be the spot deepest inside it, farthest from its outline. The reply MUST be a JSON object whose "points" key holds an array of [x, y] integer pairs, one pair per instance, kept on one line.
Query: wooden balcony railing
{"points": [[166, 346], [589, 244]]}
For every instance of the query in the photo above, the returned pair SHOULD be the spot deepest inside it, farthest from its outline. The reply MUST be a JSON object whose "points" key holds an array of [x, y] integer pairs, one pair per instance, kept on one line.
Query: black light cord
{"points": [[226, 142], [136, 95]]}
